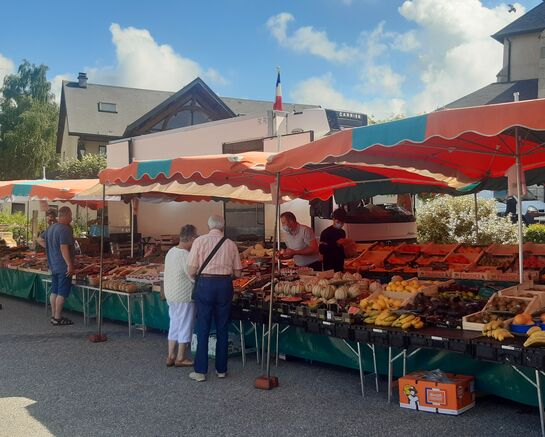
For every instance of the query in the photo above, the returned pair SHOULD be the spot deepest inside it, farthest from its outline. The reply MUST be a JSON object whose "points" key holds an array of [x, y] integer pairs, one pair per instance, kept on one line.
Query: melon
{"points": [[341, 293]]}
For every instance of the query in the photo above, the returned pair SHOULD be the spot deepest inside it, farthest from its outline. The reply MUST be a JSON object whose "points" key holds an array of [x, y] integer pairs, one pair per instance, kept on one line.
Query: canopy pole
{"points": [[519, 207], [132, 227], [27, 221], [476, 218], [100, 337], [267, 382]]}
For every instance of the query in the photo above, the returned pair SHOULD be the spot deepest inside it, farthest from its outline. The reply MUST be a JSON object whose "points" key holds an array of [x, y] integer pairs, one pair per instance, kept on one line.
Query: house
{"points": [[523, 69], [93, 115]]}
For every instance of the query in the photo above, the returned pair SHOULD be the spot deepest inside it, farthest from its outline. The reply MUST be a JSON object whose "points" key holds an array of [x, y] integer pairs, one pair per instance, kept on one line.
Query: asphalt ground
{"points": [[53, 381]]}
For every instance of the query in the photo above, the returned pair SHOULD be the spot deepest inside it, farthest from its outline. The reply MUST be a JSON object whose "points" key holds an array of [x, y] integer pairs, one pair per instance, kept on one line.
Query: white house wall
{"points": [[525, 51]]}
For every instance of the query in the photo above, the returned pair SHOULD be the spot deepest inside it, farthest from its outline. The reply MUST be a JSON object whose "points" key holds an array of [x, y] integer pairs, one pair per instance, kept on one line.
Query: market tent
{"points": [[42, 189], [460, 146], [469, 148], [250, 170], [182, 192]]}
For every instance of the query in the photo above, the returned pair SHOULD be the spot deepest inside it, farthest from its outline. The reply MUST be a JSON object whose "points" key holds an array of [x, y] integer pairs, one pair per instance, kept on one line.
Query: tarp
{"points": [[52, 190], [250, 170], [459, 146]]}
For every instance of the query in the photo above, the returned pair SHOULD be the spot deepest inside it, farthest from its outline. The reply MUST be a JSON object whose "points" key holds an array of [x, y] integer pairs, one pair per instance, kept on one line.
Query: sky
{"points": [[380, 57]]}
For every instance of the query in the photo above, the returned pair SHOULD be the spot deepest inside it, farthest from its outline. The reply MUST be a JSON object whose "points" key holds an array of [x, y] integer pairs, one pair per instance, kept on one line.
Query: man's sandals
{"points": [[63, 321]]}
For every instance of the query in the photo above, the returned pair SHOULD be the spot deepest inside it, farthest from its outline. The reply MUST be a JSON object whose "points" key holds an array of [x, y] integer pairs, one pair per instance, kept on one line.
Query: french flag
{"points": [[278, 101]]}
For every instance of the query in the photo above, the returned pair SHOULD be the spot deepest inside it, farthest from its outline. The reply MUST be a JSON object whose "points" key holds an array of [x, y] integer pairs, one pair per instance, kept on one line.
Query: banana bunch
{"points": [[536, 338], [406, 321], [380, 303], [495, 330], [385, 318]]}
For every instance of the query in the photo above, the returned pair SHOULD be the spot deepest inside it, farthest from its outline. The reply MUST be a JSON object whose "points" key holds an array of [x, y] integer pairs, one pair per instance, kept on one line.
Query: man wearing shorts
{"points": [[59, 247]]}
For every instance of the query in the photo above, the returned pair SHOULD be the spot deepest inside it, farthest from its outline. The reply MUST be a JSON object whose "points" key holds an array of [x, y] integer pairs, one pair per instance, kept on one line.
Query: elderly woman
{"points": [[178, 287]]}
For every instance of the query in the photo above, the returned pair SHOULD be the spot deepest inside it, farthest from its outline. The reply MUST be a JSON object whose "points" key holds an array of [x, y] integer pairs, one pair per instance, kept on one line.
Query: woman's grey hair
{"points": [[216, 222], [188, 233]]}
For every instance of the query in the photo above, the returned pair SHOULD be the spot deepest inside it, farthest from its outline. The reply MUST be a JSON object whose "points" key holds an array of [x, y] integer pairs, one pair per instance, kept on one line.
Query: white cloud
{"points": [[452, 55], [321, 91], [143, 63], [6, 67], [56, 85], [405, 42], [307, 39], [459, 56]]}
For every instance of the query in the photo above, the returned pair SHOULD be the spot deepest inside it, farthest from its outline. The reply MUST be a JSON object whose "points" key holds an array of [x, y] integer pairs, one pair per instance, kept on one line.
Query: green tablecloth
{"points": [[498, 379]]}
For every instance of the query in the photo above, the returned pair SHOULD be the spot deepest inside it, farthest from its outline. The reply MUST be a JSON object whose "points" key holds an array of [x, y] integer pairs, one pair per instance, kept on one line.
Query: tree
{"points": [[87, 168], [28, 123], [447, 219]]}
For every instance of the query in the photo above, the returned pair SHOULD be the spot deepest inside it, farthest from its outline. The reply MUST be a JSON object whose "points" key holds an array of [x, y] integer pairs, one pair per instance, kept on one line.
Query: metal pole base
{"points": [[266, 383], [98, 338]]}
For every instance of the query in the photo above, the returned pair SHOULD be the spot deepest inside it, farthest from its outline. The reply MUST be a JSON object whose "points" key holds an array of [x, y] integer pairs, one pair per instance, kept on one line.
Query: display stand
{"points": [[361, 364], [537, 385]]}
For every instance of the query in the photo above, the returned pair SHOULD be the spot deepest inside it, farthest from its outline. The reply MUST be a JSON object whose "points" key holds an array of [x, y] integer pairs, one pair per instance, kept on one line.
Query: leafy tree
{"points": [[87, 168], [447, 219], [28, 123]]}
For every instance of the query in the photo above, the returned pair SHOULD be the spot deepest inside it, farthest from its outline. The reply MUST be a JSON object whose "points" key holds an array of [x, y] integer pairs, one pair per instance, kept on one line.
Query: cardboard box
{"points": [[437, 392]]}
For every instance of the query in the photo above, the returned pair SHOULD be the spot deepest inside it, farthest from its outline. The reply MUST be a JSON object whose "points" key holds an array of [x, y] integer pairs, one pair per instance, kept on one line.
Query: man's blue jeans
{"points": [[213, 296]]}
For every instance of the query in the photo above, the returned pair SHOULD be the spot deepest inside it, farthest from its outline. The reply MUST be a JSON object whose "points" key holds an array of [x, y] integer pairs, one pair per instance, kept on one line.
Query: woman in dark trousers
{"points": [[331, 242]]}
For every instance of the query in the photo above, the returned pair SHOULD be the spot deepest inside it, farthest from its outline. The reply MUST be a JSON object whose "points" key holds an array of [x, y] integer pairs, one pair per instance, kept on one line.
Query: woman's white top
{"points": [[177, 284]]}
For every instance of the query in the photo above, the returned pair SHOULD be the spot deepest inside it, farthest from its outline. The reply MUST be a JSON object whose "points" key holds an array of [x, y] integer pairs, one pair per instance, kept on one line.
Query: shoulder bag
{"points": [[205, 263]]}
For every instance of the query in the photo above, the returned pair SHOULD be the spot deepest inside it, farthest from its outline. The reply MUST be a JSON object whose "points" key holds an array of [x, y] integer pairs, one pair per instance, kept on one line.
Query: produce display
{"points": [[495, 330], [257, 251]]}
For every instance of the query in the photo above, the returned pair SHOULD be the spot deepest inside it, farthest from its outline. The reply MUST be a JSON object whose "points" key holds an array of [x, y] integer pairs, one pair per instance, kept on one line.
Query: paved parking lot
{"points": [[55, 382]]}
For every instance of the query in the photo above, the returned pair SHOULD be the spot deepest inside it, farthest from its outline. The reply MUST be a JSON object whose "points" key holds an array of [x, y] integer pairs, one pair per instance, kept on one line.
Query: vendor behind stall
{"points": [[300, 242], [331, 242]]}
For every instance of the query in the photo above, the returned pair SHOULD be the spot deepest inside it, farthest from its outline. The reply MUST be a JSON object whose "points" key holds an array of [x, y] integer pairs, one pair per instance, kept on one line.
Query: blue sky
{"points": [[378, 56]]}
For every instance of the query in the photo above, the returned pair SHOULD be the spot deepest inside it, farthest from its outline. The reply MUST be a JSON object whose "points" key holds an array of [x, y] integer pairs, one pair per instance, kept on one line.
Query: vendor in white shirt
{"points": [[301, 243]]}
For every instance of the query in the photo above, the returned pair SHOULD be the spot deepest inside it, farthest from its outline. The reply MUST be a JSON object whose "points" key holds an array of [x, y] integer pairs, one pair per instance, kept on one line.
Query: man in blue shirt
{"points": [[59, 246]]}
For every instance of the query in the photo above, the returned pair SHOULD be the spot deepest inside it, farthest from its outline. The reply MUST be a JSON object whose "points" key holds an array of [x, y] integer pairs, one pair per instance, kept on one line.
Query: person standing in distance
{"points": [[58, 241], [300, 242], [331, 242], [181, 309], [213, 293]]}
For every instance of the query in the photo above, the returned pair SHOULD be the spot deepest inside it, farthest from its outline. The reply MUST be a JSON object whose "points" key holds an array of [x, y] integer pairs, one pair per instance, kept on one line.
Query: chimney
{"points": [[82, 80]]}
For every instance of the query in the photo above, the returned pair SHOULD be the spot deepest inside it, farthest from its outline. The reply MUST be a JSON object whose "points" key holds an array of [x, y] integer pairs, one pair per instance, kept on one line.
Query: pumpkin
{"points": [[328, 292], [364, 284], [374, 287], [348, 276], [310, 285], [317, 290], [357, 276], [323, 283], [297, 288], [341, 293], [338, 276], [354, 290]]}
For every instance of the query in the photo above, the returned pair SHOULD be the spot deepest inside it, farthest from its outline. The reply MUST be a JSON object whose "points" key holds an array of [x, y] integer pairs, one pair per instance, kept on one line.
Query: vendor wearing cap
{"points": [[301, 244], [331, 242]]}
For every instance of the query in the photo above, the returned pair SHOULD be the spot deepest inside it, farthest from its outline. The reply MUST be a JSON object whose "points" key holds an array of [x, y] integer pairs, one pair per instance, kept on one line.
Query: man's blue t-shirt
{"points": [[54, 236]]}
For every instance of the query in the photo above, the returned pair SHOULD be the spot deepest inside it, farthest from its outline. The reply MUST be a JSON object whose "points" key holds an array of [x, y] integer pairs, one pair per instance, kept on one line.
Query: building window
{"points": [[107, 107], [81, 150], [102, 150], [17, 207]]}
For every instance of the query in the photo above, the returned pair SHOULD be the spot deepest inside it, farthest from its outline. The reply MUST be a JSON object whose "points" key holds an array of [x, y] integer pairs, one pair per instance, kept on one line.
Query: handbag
{"points": [[204, 264]]}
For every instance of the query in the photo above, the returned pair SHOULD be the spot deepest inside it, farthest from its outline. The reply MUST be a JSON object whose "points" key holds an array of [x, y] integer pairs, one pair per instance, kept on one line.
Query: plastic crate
{"points": [[361, 334], [534, 357], [344, 331], [328, 328], [379, 336], [509, 352], [399, 339], [313, 326]]}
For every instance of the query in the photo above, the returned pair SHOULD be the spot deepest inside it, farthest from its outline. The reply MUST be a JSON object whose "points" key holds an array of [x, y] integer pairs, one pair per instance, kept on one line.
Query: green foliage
{"points": [[28, 123], [15, 223], [87, 168], [447, 219], [535, 234]]}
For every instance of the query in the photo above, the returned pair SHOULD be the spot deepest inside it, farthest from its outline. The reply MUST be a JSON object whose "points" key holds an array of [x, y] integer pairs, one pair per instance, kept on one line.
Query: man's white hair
{"points": [[216, 222]]}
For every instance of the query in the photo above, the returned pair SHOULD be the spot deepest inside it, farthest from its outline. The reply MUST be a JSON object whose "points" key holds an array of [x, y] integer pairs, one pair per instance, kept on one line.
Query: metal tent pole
{"points": [[131, 211], [267, 381], [519, 207], [476, 218], [100, 337]]}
